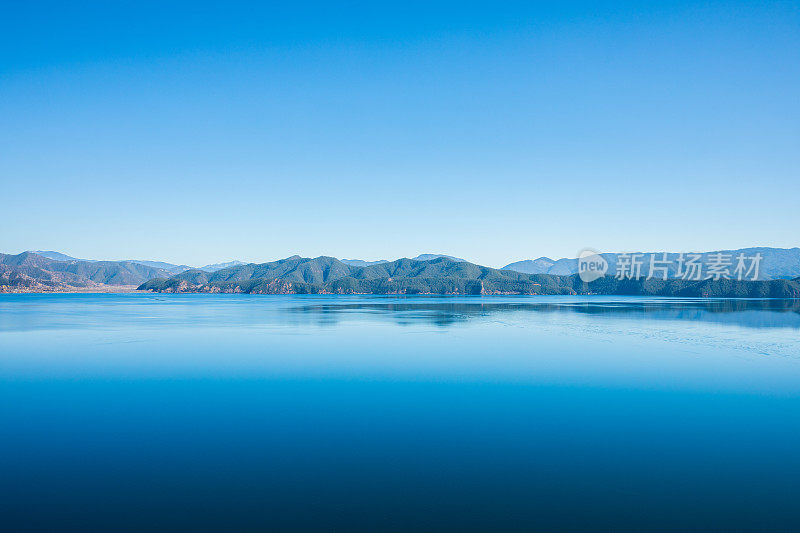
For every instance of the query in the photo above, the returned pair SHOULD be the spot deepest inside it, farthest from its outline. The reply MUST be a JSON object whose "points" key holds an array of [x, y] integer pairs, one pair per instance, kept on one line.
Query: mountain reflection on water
{"points": [[449, 310], [23, 312]]}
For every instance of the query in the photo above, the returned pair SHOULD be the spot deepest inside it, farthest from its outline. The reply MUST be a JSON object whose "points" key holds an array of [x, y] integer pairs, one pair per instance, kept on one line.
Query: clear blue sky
{"points": [[195, 133]]}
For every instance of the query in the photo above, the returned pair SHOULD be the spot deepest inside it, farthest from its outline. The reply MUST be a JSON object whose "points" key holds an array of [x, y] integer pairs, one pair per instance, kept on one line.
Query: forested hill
{"points": [[327, 275]]}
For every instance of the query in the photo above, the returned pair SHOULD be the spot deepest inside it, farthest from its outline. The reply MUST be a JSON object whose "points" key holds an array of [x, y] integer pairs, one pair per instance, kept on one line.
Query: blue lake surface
{"points": [[361, 413]]}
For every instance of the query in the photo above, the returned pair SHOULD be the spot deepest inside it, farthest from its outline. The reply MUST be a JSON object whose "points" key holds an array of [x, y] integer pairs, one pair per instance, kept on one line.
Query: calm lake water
{"points": [[222, 412]]}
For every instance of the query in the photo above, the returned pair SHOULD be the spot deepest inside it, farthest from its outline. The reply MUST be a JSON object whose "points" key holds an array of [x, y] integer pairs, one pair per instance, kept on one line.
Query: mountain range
{"points": [[34, 272], [421, 257], [776, 263], [48, 270], [328, 275], [169, 267], [427, 273]]}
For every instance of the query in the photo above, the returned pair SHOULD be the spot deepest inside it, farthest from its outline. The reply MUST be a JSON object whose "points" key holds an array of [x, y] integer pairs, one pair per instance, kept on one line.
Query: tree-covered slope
{"points": [[440, 276]]}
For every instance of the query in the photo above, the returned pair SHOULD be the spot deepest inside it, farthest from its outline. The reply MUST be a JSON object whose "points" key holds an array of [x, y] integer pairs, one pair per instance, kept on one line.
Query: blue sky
{"points": [[196, 133]]}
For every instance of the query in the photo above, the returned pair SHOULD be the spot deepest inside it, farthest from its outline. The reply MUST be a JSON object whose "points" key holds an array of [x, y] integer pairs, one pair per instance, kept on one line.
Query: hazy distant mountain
{"points": [[776, 263], [362, 263], [169, 267], [58, 256], [421, 257], [220, 266], [327, 275], [431, 257], [532, 266], [33, 271]]}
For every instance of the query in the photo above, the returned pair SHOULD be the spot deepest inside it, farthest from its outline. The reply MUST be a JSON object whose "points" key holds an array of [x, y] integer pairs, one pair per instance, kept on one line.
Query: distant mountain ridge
{"points": [[431, 257], [362, 263], [56, 256], [219, 266], [176, 269], [30, 271], [776, 263], [169, 267], [421, 257]]}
